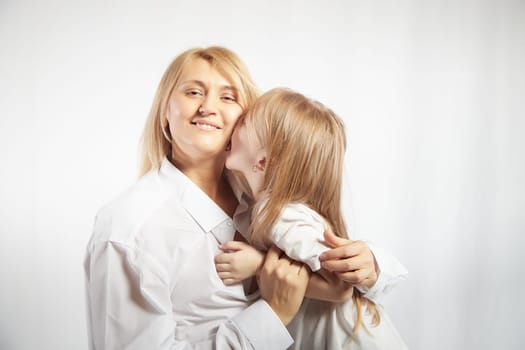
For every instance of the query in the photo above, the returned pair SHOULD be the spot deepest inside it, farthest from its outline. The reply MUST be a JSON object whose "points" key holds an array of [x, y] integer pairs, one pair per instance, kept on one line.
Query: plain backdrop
{"points": [[432, 93]]}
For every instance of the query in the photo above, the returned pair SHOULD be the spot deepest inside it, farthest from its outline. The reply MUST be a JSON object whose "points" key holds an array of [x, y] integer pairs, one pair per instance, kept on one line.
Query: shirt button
{"points": [[229, 223]]}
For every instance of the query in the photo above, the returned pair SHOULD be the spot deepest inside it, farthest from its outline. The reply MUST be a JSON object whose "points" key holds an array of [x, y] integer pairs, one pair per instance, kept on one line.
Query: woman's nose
{"points": [[209, 105]]}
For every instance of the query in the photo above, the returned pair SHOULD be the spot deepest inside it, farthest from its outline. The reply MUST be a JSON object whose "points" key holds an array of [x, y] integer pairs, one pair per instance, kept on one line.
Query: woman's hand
{"points": [[282, 283], [238, 262], [351, 261]]}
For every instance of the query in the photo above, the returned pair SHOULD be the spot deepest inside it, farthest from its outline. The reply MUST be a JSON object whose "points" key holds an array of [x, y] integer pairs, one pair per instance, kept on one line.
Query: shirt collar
{"points": [[197, 203]]}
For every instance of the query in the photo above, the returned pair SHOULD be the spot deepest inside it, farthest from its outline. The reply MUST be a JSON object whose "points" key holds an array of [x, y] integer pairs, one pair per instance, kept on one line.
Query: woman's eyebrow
{"points": [[193, 81], [200, 83], [229, 87]]}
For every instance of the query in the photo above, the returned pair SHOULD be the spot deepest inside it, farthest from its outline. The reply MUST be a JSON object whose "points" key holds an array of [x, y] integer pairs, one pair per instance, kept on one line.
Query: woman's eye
{"points": [[229, 98], [194, 92]]}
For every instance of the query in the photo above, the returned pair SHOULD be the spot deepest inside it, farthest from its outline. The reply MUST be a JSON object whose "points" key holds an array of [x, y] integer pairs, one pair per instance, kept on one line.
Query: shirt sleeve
{"points": [[247, 325], [391, 273], [129, 307], [123, 315], [299, 233]]}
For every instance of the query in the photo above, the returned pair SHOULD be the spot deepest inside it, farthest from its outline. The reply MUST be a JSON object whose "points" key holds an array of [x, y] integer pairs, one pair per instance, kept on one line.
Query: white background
{"points": [[432, 93]]}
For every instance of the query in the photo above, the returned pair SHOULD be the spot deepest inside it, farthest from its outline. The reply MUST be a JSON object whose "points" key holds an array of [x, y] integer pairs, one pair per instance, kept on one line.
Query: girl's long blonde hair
{"points": [[305, 144], [155, 143]]}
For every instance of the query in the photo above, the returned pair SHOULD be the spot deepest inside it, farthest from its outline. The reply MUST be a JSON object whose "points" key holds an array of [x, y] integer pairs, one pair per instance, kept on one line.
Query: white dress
{"points": [[319, 324]]}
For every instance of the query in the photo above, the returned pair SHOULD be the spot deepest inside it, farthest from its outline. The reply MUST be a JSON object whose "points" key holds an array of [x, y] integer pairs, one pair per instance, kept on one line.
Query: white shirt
{"points": [[151, 279], [323, 325]]}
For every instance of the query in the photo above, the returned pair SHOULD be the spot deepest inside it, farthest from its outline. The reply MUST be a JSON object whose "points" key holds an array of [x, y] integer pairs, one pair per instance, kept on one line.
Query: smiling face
{"points": [[200, 136]]}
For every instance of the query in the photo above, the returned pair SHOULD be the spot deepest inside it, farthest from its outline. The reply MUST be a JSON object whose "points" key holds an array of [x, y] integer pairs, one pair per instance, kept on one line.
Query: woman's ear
{"points": [[165, 118]]}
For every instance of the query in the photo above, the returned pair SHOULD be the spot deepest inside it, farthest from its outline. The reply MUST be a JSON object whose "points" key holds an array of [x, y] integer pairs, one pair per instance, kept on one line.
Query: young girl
{"points": [[289, 150]]}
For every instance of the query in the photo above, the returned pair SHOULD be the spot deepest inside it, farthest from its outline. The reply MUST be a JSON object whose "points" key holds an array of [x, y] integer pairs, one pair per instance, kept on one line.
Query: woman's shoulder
{"points": [[122, 216], [135, 193]]}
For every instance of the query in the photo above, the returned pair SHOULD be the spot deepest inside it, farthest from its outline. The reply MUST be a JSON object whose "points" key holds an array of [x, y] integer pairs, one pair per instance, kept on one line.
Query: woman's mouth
{"points": [[205, 124]]}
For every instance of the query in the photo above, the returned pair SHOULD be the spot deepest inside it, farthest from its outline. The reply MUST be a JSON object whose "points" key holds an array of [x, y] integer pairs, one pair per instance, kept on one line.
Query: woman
{"points": [[151, 279]]}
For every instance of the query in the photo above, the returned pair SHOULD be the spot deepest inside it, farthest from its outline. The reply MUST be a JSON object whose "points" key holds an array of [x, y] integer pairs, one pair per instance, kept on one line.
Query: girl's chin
{"points": [[228, 164]]}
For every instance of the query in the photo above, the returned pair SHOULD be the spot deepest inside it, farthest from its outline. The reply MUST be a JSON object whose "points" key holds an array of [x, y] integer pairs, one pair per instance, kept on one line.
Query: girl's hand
{"points": [[352, 261], [238, 262]]}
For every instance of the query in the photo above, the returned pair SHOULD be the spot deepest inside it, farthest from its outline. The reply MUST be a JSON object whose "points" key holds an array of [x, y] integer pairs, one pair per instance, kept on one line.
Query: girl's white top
{"points": [[323, 325]]}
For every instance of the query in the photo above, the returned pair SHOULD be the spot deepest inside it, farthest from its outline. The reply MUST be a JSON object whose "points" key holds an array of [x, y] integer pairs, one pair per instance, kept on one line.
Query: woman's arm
{"points": [[325, 285], [371, 269], [129, 305]]}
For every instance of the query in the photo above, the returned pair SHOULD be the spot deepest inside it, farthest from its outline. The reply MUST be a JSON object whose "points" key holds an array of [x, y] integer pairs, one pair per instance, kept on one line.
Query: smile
{"points": [[205, 124]]}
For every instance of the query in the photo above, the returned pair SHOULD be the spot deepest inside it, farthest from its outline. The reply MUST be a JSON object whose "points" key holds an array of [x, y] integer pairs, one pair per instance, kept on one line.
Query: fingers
{"points": [[224, 258], [346, 251], [282, 283], [344, 265], [287, 269], [233, 245], [272, 256], [227, 278], [280, 265], [353, 261], [333, 241], [359, 277], [230, 281], [225, 275], [222, 267], [229, 248], [304, 271]]}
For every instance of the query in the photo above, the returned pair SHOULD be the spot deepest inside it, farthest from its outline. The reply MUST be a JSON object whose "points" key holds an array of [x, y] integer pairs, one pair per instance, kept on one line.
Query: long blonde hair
{"points": [[155, 143], [305, 144]]}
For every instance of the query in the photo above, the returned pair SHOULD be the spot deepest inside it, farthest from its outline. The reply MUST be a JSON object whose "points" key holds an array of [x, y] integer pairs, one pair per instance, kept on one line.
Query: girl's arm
{"points": [[238, 262]]}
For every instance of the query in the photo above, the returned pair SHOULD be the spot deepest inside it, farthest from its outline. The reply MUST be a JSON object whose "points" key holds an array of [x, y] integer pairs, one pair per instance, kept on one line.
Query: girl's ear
{"points": [[261, 161]]}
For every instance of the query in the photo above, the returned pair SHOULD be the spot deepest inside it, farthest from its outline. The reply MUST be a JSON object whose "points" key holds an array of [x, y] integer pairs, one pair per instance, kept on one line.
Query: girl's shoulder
{"points": [[300, 211]]}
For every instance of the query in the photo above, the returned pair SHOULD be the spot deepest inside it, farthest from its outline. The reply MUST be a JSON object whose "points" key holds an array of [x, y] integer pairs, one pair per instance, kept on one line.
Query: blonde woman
{"points": [[151, 279], [290, 151]]}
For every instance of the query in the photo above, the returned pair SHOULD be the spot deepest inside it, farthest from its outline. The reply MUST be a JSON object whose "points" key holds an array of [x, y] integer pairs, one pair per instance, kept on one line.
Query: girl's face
{"points": [[196, 135], [245, 154]]}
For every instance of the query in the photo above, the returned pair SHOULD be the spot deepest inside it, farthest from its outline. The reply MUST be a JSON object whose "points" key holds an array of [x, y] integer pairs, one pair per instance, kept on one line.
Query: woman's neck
{"points": [[209, 176]]}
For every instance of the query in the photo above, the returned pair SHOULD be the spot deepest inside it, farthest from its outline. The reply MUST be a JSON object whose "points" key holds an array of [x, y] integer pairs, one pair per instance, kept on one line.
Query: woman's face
{"points": [[195, 135]]}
